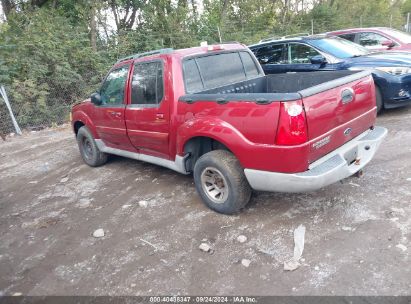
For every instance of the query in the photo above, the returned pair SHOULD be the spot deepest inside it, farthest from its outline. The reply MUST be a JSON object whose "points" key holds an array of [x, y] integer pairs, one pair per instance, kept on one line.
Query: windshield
{"points": [[401, 36], [339, 48]]}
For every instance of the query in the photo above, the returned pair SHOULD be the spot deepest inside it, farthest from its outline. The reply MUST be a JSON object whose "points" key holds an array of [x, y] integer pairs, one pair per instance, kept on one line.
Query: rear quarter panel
{"points": [[248, 147], [243, 127], [257, 123]]}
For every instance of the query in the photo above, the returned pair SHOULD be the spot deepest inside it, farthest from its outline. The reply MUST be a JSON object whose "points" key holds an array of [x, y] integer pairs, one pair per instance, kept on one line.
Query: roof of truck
{"points": [[184, 52]]}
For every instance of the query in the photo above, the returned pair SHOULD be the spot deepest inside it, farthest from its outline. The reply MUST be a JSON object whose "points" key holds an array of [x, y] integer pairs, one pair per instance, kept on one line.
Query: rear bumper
{"points": [[327, 170]]}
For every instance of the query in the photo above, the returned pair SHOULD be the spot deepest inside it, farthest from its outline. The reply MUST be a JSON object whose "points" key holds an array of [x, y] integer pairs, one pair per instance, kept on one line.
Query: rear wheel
{"points": [[89, 151], [221, 183], [378, 99]]}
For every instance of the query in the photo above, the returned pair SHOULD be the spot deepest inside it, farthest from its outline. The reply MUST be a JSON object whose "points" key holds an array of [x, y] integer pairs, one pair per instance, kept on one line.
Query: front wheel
{"points": [[89, 151], [221, 183]]}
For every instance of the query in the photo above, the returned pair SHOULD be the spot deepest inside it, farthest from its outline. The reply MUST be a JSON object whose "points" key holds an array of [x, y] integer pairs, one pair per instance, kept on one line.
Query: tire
{"points": [[216, 168], [88, 149], [378, 100]]}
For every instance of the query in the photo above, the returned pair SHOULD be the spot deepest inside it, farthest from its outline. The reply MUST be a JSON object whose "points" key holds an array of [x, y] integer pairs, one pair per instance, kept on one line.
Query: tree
{"points": [[7, 6], [125, 13], [93, 25], [55, 52]]}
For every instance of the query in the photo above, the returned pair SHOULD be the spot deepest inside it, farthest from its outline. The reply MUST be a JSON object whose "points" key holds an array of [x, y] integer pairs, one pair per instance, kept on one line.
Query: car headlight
{"points": [[395, 70]]}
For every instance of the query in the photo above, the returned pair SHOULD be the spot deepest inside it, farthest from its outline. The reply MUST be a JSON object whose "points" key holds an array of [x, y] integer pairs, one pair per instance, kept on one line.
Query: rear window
{"points": [[249, 65], [207, 72], [192, 76]]}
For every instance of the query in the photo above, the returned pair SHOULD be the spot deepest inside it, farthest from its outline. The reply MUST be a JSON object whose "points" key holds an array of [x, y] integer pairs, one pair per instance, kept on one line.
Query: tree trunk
{"points": [[223, 11], [223, 16], [7, 7], [116, 18], [93, 26]]}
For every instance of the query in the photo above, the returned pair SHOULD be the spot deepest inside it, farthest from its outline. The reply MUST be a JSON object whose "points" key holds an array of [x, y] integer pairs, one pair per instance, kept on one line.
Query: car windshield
{"points": [[401, 36], [339, 48]]}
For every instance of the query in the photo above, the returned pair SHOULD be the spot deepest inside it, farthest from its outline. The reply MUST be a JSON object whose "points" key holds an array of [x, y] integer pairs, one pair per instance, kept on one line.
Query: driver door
{"points": [[109, 116]]}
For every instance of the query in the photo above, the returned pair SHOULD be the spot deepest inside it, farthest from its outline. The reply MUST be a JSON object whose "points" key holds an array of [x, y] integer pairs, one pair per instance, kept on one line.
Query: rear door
{"points": [[109, 116], [148, 114]]}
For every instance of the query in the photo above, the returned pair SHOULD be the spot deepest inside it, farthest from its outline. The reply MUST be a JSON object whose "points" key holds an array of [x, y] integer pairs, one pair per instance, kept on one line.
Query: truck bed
{"points": [[338, 106], [277, 87]]}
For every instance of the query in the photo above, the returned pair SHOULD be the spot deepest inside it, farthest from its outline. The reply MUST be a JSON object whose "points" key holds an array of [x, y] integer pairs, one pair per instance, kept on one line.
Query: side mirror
{"points": [[96, 99], [388, 43], [318, 59]]}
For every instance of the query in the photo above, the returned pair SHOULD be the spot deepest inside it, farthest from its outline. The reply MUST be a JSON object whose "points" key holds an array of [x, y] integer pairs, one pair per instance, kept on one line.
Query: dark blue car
{"points": [[391, 70]]}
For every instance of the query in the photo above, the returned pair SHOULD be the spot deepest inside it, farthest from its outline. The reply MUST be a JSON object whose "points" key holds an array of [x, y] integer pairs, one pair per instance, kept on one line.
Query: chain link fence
{"points": [[36, 107]]}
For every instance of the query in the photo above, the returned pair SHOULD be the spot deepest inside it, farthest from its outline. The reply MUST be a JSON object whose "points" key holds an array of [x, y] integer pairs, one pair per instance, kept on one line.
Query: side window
{"points": [[147, 85], [350, 37], [271, 54], [216, 69], [371, 40], [249, 64], [300, 53], [112, 90], [192, 76]]}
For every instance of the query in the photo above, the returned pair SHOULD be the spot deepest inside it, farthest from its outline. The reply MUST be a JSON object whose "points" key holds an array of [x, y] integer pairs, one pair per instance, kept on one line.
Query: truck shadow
{"points": [[150, 176], [333, 201]]}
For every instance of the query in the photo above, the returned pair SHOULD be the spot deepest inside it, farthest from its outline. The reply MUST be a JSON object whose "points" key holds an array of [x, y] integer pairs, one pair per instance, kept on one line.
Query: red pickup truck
{"points": [[212, 112]]}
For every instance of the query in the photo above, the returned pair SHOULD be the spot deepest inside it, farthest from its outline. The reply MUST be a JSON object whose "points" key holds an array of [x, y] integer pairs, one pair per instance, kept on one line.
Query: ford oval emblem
{"points": [[347, 95], [347, 131]]}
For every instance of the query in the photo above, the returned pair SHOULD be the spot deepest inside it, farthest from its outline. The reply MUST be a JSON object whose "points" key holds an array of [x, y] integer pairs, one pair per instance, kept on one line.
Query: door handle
{"points": [[159, 116], [115, 114]]}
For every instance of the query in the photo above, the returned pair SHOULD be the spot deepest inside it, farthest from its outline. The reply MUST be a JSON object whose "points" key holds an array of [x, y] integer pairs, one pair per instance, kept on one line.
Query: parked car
{"points": [[377, 38], [391, 71], [212, 112]]}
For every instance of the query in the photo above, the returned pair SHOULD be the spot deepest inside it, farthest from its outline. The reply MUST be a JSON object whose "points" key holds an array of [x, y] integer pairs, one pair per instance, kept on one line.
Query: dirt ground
{"points": [[357, 239]]}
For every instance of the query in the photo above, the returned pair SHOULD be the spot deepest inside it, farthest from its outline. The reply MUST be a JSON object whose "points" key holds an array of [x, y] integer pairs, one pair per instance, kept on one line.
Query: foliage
{"points": [[47, 65], [55, 52]]}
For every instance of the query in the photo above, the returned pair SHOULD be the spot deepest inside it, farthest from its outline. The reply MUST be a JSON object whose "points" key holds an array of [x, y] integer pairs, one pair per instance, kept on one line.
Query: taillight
{"points": [[292, 126]]}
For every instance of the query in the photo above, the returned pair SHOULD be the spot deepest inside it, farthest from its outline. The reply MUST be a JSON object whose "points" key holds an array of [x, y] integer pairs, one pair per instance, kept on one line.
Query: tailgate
{"points": [[338, 111]]}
